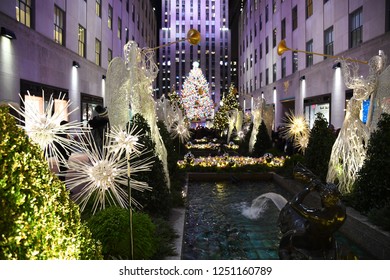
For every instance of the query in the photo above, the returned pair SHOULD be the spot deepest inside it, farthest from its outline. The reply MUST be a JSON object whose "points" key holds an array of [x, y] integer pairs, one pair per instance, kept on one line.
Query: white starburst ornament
{"points": [[46, 130], [297, 129], [103, 176], [180, 129]]}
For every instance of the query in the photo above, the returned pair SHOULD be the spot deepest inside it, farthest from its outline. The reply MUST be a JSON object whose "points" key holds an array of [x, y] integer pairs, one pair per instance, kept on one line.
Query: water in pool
{"points": [[222, 224]]}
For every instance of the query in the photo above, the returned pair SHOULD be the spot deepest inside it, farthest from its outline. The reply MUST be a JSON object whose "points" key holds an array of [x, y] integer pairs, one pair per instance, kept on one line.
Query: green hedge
{"points": [[112, 227], [37, 218]]}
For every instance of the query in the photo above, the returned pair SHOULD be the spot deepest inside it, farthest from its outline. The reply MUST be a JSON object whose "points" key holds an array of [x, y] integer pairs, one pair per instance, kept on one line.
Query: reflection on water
{"points": [[233, 221]]}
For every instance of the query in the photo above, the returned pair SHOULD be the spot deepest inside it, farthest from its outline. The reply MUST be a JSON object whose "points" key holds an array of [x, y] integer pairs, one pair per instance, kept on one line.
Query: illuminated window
{"points": [[59, 26], [23, 12], [309, 8], [82, 39], [109, 21], [98, 49], [119, 28], [98, 8]]}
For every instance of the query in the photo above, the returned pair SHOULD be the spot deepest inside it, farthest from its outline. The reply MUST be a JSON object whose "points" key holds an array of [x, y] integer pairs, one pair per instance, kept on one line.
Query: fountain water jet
{"points": [[259, 205]]}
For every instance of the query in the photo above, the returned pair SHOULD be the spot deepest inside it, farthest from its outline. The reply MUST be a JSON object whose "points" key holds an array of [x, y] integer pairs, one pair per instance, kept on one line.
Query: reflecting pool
{"points": [[221, 222]]}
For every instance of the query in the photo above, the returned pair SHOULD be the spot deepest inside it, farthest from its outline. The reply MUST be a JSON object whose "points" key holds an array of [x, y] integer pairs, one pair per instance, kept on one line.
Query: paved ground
{"points": [[176, 220]]}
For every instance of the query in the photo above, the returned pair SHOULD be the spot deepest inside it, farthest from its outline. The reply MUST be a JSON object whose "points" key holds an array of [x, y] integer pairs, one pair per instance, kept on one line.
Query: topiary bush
{"points": [[37, 218], [263, 141], [112, 227], [319, 148], [372, 187]]}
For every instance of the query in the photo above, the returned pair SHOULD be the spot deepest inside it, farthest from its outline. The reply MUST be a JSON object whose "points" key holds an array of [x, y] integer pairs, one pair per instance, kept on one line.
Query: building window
{"points": [[260, 23], [309, 8], [109, 21], [23, 12], [328, 41], [309, 57], [283, 29], [82, 39], [266, 76], [59, 25], [119, 28], [274, 38], [274, 72], [266, 45], [283, 67], [266, 13], [98, 48], [261, 51], [294, 62], [294, 18], [109, 55], [273, 6], [255, 56], [356, 27], [98, 8]]}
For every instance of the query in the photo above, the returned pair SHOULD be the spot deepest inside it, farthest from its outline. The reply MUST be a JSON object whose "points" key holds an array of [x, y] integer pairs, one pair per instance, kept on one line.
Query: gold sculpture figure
{"points": [[308, 232]]}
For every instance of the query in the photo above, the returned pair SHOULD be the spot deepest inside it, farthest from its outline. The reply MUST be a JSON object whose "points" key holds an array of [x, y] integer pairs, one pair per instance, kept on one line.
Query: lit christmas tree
{"points": [[196, 97], [228, 103]]}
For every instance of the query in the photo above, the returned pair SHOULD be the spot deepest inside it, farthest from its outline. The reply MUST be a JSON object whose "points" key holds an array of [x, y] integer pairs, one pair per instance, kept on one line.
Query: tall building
{"points": [[65, 47], [306, 83], [210, 18]]}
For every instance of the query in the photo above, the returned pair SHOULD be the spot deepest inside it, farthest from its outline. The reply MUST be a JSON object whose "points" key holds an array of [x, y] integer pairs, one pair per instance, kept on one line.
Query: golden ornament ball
{"points": [[193, 36]]}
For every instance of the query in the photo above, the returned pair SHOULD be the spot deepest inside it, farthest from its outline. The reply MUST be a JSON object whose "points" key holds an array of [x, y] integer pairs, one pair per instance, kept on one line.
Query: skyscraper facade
{"points": [[300, 82], [210, 18], [66, 46]]}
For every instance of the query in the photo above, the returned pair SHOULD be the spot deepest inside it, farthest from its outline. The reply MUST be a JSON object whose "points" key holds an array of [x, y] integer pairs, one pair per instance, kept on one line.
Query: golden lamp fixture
{"points": [[193, 37], [282, 48]]}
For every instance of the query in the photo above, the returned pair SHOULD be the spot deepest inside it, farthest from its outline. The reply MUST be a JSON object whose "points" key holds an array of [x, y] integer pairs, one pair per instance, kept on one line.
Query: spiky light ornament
{"points": [[45, 128], [297, 130], [102, 175], [180, 129]]}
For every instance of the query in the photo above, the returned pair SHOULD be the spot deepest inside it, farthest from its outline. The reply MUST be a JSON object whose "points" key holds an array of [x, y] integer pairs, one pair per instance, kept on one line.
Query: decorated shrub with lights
{"points": [[37, 218], [229, 102]]}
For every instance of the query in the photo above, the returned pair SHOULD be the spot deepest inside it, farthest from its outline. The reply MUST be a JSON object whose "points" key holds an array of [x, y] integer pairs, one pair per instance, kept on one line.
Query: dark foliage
{"points": [[320, 145], [112, 227], [263, 141], [158, 200], [372, 187]]}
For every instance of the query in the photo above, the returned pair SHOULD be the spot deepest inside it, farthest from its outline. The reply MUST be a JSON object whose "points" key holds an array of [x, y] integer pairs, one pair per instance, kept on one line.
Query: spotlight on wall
{"points": [[302, 78], [103, 77], [8, 33], [76, 64], [336, 65]]}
